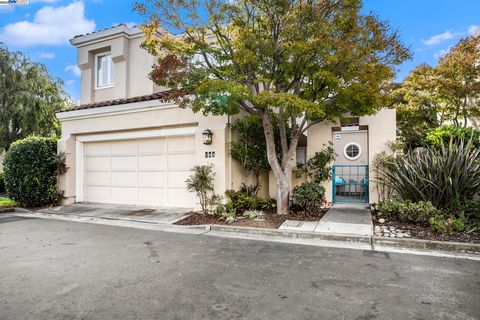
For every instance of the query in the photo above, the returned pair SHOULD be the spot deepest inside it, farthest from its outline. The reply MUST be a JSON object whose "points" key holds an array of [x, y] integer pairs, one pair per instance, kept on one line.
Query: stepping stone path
{"points": [[391, 232]]}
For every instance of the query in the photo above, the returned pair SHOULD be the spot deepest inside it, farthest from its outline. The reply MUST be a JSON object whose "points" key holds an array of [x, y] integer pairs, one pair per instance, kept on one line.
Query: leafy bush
{"points": [[2, 183], [31, 168], [201, 182], [407, 211], [435, 137], [226, 213], [469, 210], [318, 167], [309, 196], [6, 202], [254, 214], [439, 175], [442, 224], [244, 200]]}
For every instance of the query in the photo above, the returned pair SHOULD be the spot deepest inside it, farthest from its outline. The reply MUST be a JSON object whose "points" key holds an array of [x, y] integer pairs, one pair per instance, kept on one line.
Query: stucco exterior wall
{"points": [[168, 117], [132, 65], [381, 130]]}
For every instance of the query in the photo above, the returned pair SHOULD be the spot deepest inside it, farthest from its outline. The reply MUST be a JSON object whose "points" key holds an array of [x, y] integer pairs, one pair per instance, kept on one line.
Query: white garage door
{"points": [[149, 171]]}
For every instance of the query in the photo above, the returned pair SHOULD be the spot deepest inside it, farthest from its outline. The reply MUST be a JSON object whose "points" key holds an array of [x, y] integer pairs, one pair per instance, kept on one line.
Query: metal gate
{"points": [[350, 183]]}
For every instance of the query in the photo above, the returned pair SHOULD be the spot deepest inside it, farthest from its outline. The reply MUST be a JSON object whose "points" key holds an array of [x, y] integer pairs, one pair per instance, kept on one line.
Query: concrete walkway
{"points": [[121, 212], [341, 218]]}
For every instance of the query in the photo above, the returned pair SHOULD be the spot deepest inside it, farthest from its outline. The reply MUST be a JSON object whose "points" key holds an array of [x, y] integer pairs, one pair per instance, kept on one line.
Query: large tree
{"points": [[459, 79], [29, 98], [420, 105], [304, 61]]}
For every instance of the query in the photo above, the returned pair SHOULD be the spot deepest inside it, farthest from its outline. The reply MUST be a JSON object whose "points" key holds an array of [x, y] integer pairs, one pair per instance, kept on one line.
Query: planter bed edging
{"points": [[422, 244]]}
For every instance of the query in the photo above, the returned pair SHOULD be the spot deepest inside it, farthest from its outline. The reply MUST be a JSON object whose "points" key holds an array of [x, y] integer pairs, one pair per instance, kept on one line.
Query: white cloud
{"points": [[70, 82], [50, 26], [473, 29], [436, 39], [43, 1], [46, 55], [6, 9], [73, 68]]}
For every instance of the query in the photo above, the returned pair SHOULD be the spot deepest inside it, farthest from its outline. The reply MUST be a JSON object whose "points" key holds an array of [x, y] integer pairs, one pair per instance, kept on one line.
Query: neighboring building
{"points": [[128, 143]]}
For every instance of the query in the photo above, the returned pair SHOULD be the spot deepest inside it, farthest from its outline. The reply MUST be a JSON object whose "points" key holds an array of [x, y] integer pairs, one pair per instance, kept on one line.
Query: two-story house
{"points": [[129, 143]]}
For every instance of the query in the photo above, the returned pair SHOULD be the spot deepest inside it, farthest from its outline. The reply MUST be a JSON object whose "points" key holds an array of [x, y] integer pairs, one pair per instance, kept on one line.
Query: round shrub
{"points": [[309, 196], [2, 183], [31, 166]]}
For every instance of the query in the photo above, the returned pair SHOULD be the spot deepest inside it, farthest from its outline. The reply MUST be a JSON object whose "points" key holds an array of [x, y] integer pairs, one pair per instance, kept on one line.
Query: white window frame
{"points": [[97, 56], [352, 144]]}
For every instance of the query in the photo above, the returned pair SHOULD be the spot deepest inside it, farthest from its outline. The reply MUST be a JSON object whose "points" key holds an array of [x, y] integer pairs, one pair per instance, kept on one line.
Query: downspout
{"points": [[229, 156]]}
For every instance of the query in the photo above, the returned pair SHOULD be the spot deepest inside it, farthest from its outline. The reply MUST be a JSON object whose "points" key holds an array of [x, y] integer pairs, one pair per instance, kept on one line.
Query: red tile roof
{"points": [[163, 96]]}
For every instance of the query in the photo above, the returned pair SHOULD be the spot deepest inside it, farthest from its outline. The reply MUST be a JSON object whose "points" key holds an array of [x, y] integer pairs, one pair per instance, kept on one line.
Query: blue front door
{"points": [[350, 183]]}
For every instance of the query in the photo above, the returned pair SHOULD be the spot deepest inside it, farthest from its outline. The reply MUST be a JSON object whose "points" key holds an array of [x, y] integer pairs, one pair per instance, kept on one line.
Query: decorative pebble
{"points": [[381, 220]]}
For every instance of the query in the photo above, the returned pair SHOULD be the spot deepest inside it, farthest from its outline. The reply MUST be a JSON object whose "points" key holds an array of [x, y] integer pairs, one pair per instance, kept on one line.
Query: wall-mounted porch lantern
{"points": [[207, 136]]}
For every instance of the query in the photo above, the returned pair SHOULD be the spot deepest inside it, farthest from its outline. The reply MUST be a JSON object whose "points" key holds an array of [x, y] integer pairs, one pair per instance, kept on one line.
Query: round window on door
{"points": [[352, 151]]}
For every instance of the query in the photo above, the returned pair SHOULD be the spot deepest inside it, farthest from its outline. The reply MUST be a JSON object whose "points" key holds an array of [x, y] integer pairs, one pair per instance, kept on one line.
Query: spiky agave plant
{"points": [[439, 175]]}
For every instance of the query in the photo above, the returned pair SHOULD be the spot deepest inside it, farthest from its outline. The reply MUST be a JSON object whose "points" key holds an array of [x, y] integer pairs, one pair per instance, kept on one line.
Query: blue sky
{"points": [[42, 28]]}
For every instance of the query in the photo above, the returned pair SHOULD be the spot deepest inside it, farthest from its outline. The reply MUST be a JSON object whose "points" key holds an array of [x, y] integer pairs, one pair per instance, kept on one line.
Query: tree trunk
{"points": [[282, 173], [283, 195]]}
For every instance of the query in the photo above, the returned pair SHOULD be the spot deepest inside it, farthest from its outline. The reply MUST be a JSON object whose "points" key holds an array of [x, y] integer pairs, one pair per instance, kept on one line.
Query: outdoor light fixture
{"points": [[207, 136]]}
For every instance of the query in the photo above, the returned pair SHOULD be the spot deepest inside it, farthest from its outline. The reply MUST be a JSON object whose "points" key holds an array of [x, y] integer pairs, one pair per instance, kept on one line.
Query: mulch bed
{"points": [[425, 233], [271, 220]]}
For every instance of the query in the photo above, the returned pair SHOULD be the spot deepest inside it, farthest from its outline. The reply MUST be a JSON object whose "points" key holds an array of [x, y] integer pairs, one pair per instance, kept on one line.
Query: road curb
{"points": [[420, 244], [291, 234]]}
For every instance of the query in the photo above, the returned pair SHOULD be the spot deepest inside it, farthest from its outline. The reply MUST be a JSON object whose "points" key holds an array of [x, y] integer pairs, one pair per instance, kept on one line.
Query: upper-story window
{"points": [[105, 70]]}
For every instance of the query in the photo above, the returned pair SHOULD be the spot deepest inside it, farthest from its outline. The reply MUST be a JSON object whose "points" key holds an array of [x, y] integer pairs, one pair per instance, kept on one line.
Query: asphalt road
{"points": [[66, 270]]}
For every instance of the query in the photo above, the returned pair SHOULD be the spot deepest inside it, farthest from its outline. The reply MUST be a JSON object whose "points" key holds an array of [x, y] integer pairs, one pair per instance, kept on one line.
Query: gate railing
{"points": [[350, 183]]}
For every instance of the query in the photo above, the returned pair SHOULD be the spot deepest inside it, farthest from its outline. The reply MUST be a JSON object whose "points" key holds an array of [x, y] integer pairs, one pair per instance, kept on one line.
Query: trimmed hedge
{"points": [[31, 166]]}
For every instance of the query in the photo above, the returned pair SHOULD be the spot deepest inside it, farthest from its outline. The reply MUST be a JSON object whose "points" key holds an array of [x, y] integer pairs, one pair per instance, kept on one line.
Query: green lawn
{"points": [[6, 202]]}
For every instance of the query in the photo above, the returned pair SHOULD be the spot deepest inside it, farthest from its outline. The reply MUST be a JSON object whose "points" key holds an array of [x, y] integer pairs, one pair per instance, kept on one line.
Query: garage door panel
{"points": [[97, 163], [177, 179], [124, 195], [152, 179], [152, 196], [97, 179], [124, 179], [97, 194], [154, 145], [124, 163], [149, 171], [181, 162], [97, 148], [180, 198], [152, 163], [181, 144], [125, 147]]}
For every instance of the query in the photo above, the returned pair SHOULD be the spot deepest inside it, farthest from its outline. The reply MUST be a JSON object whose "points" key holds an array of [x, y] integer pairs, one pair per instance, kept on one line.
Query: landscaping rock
{"points": [[381, 220]]}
